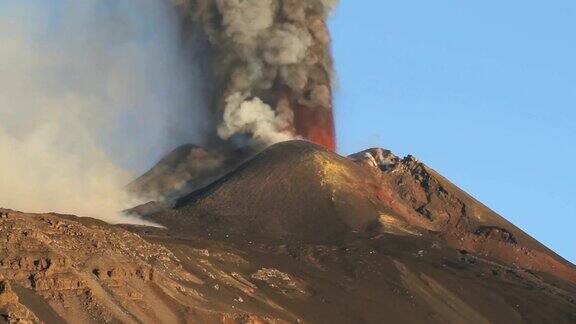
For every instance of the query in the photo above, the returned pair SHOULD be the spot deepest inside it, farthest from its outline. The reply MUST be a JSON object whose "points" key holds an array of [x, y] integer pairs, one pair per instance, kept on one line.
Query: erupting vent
{"points": [[271, 65]]}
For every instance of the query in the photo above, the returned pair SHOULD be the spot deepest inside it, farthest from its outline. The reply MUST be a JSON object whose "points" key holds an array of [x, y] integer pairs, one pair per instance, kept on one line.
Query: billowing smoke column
{"points": [[272, 67]]}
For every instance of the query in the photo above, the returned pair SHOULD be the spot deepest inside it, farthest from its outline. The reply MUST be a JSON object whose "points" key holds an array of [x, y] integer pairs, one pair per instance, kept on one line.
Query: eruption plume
{"points": [[93, 92], [271, 65]]}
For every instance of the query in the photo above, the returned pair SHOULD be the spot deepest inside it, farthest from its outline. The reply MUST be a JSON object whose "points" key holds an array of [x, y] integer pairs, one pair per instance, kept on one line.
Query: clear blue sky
{"points": [[482, 91]]}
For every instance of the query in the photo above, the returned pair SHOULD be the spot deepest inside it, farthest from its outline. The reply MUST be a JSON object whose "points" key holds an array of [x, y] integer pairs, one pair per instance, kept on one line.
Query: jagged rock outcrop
{"points": [[84, 270], [281, 281], [376, 158], [10, 308]]}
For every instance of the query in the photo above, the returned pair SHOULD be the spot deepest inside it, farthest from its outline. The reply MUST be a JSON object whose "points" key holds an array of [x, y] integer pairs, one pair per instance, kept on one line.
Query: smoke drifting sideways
{"points": [[271, 65], [91, 92]]}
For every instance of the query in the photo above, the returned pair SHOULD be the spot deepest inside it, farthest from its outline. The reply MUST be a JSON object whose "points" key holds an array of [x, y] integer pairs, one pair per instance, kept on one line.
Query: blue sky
{"points": [[482, 91]]}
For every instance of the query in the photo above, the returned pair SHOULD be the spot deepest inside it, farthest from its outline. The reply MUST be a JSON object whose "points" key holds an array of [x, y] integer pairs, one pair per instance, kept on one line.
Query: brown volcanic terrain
{"points": [[185, 169], [295, 234]]}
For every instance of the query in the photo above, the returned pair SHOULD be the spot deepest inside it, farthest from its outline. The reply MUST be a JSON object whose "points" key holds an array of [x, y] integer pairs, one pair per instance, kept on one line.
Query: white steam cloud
{"points": [[254, 117], [91, 91]]}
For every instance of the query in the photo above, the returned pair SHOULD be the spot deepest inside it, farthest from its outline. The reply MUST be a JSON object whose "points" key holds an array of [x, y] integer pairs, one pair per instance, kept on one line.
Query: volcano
{"points": [[303, 193], [294, 234]]}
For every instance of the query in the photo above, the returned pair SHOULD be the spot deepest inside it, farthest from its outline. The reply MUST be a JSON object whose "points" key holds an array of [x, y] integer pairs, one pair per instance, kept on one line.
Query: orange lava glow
{"points": [[316, 125]]}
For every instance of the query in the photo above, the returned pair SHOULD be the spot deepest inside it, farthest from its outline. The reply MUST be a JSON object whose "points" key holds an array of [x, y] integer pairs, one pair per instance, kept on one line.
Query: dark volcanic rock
{"points": [[185, 169], [496, 233]]}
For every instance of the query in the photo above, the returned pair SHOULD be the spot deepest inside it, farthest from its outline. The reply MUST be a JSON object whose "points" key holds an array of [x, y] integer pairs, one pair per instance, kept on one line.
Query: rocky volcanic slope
{"points": [[56, 268], [297, 234], [186, 168]]}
